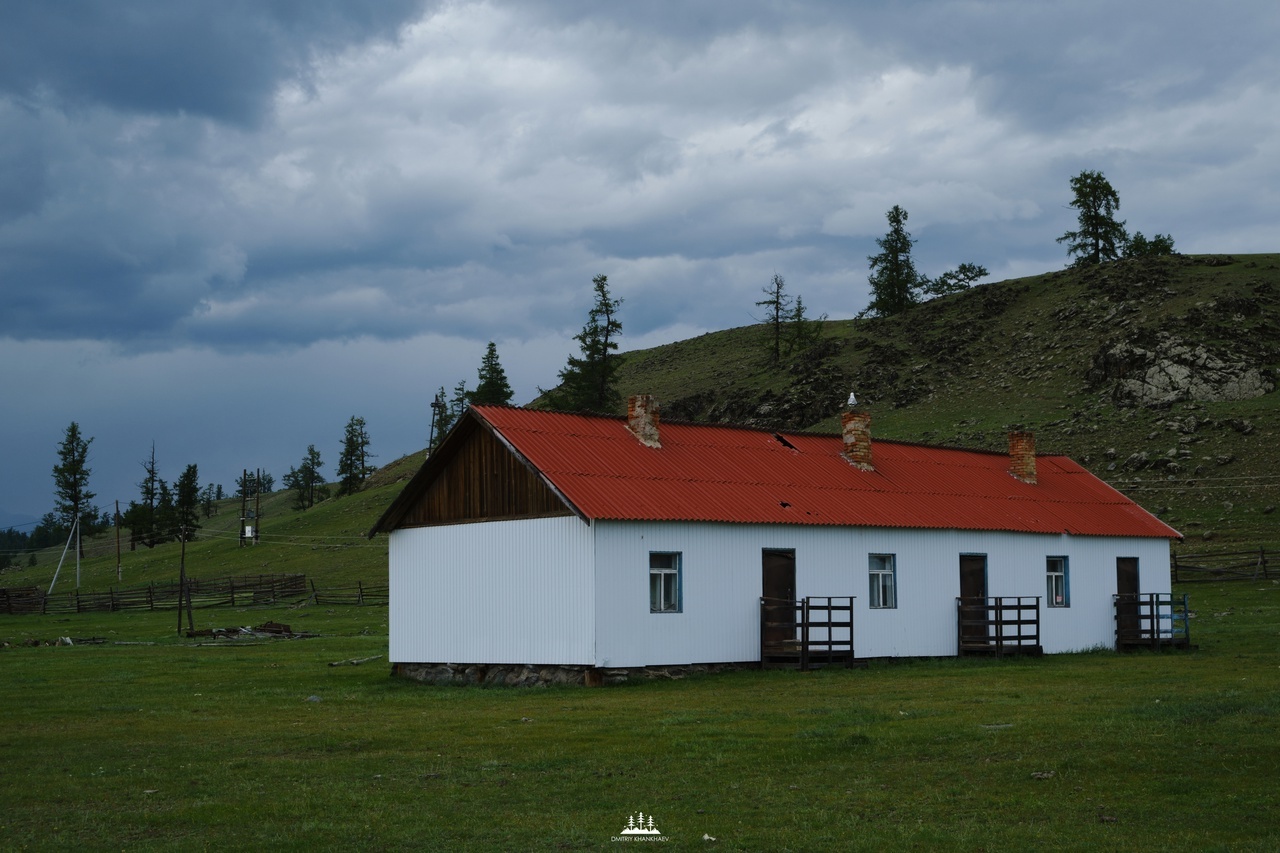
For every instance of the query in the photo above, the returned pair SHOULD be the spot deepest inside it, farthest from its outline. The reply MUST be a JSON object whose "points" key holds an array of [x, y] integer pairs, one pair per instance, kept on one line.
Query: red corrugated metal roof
{"points": [[707, 472]]}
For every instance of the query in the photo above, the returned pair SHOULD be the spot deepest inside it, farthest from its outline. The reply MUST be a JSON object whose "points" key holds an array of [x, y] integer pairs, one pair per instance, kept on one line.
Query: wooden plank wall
{"points": [[483, 481]]}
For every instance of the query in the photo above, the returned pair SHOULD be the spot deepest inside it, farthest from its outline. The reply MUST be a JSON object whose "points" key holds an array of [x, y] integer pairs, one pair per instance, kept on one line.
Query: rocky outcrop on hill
{"points": [[1173, 370]]}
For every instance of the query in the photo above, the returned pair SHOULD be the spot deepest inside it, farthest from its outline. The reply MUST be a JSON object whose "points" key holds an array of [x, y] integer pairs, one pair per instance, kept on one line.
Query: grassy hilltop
{"points": [[1054, 353]]}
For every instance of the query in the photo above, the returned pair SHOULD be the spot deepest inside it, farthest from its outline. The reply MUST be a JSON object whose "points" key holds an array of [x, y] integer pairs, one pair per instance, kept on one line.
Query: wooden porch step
{"points": [[1007, 650]]}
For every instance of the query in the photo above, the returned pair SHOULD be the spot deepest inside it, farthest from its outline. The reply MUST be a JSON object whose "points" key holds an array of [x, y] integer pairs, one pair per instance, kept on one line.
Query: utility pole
{"points": [[437, 416], [250, 520], [184, 593], [119, 570], [257, 504]]}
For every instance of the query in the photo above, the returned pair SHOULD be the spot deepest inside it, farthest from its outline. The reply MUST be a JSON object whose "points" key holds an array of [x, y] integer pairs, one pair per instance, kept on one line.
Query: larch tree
{"points": [[896, 285], [1099, 236], [186, 503], [1138, 246], [777, 312], [586, 382], [353, 462], [894, 280], [166, 517], [305, 480], [140, 516]]}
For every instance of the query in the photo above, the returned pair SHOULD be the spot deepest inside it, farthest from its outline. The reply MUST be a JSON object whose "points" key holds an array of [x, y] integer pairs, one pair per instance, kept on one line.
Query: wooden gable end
{"points": [[480, 478]]}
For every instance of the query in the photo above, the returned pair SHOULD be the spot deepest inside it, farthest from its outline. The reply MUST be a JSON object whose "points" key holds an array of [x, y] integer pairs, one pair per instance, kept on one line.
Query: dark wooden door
{"points": [[778, 584], [1127, 620], [973, 594]]}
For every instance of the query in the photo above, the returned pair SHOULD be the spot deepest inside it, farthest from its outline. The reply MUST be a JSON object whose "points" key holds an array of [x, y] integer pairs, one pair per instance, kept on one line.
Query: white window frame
{"points": [[1057, 573], [882, 571], [666, 582]]}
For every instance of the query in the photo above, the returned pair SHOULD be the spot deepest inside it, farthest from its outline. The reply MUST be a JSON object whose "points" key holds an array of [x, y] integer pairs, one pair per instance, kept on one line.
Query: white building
{"points": [[542, 545]]}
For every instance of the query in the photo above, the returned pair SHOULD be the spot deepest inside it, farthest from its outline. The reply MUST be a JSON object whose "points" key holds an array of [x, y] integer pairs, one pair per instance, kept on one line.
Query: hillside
{"points": [[327, 543], [1158, 375]]}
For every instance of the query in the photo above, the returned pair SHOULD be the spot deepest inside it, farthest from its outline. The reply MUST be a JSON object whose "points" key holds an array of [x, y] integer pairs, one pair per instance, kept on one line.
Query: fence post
{"points": [[1262, 560], [804, 635]]}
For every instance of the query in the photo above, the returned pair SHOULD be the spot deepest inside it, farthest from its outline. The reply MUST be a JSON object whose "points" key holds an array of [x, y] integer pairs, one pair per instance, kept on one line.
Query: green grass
{"points": [[180, 743]]}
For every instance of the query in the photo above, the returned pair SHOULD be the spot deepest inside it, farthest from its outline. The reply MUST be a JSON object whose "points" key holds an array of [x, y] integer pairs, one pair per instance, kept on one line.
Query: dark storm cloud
{"points": [[216, 58]]}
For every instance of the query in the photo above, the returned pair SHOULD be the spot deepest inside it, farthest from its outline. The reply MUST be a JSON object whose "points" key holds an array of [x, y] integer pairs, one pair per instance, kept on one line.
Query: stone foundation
{"points": [[534, 675]]}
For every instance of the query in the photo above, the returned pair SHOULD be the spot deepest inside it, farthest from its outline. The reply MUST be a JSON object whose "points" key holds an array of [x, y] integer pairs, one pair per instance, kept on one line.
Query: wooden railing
{"points": [[999, 625], [812, 631], [1152, 620]]}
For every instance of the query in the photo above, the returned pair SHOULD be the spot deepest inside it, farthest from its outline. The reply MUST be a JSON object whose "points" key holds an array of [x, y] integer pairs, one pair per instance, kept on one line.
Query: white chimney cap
{"points": [[853, 399]]}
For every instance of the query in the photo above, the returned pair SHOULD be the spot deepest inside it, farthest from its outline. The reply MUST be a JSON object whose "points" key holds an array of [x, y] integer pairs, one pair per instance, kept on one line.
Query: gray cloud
{"points": [[287, 190]]}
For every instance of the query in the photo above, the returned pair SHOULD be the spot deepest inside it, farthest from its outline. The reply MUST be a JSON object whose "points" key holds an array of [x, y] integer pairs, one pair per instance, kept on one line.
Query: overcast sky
{"points": [[227, 227]]}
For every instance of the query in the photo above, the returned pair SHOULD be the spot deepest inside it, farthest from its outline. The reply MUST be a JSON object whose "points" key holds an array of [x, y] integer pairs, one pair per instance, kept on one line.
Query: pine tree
{"points": [[493, 388], [586, 382], [72, 498], [353, 463]]}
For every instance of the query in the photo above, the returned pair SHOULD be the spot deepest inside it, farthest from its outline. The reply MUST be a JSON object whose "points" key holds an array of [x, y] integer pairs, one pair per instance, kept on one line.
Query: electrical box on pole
{"points": [[250, 507]]}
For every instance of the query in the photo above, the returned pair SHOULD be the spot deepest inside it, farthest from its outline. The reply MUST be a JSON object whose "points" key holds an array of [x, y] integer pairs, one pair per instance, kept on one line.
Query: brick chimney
{"points": [[856, 429], [1022, 456], [642, 419]]}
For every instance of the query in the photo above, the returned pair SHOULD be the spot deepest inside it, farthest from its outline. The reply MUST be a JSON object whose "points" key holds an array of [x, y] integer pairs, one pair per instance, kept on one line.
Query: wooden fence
{"points": [[216, 592], [240, 591], [376, 595], [1225, 566]]}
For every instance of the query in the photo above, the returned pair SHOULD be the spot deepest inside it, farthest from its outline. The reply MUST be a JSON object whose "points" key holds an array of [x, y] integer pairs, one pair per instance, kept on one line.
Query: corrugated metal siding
{"points": [[719, 622], [498, 592], [721, 567], [716, 473]]}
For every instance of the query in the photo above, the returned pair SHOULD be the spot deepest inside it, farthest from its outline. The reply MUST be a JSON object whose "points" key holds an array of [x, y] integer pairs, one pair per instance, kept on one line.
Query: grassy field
{"points": [[150, 741]]}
